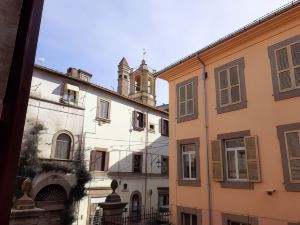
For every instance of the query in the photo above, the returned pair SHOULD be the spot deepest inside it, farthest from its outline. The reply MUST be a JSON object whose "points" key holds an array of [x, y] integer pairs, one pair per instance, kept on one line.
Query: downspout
{"points": [[204, 120]]}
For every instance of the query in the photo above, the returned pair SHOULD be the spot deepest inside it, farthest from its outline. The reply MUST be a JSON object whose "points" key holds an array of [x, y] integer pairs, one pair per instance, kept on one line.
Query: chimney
{"points": [[123, 76], [72, 72]]}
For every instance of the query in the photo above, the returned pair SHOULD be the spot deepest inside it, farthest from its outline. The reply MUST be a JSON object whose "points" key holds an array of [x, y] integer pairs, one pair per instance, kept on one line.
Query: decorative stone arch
{"points": [[54, 140], [47, 179], [132, 196]]}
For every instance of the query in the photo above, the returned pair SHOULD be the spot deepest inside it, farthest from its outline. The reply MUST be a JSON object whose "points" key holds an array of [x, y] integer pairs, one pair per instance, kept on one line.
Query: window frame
{"points": [[135, 118], [240, 63], [281, 131], [235, 150], [239, 219], [141, 162], [189, 153], [232, 183], [188, 182], [167, 168], [151, 130], [191, 211], [53, 147], [291, 92], [92, 168], [99, 99], [162, 126], [194, 114]]}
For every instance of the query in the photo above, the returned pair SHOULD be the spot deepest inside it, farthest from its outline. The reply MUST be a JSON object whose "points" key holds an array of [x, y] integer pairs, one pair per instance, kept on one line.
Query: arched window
{"points": [[149, 86], [137, 84], [63, 146]]}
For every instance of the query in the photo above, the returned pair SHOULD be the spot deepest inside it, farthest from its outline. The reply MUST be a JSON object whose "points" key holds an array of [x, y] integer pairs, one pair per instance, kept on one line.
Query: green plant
{"points": [[30, 165]]}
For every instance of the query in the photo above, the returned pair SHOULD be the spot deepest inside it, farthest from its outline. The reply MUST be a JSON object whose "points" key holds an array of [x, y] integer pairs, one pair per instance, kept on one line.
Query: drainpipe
{"points": [[146, 160], [204, 121]]}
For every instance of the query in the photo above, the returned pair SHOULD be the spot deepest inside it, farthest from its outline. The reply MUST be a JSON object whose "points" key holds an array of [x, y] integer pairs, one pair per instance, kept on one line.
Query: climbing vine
{"points": [[30, 165]]}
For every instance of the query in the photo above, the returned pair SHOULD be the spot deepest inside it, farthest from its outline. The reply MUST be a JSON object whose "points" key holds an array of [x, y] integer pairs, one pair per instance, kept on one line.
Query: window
{"points": [[230, 86], [137, 84], [139, 120], [149, 86], [63, 146], [103, 109], [163, 199], [164, 165], [188, 162], [164, 127], [70, 94], [187, 100], [151, 128], [285, 68], [289, 140], [137, 163], [99, 160], [189, 216], [232, 219], [235, 160]]}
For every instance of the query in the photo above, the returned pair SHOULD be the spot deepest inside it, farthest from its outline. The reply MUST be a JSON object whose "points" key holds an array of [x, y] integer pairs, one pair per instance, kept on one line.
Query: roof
{"points": [[249, 26], [58, 73]]}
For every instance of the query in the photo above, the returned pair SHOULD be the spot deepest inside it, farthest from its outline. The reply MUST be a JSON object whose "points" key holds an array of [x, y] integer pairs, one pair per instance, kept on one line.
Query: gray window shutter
{"points": [[92, 160], [217, 160], [282, 59], [144, 120], [160, 125], [296, 53], [293, 148], [253, 167]]}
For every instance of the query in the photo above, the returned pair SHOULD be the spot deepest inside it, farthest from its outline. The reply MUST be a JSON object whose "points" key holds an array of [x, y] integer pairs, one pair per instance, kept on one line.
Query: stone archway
{"points": [[52, 198]]}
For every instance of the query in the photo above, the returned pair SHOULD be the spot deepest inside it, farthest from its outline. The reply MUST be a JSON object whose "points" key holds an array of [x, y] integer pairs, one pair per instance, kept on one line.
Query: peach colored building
{"points": [[235, 127]]}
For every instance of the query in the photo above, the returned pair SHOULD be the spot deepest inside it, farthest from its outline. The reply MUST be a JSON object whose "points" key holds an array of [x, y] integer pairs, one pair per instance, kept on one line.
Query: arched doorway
{"points": [[136, 205], [52, 198]]}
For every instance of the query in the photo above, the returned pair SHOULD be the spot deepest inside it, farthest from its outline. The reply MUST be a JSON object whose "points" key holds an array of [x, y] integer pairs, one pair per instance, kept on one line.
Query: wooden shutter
{"points": [[252, 156], [98, 108], [217, 160], [283, 69], [224, 87], [134, 118], [160, 125], [234, 83], [106, 166], [144, 120], [293, 150], [92, 160], [295, 50]]}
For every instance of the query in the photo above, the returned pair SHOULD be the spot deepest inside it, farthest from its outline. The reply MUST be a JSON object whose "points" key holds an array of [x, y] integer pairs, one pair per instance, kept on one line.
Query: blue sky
{"points": [[94, 35]]}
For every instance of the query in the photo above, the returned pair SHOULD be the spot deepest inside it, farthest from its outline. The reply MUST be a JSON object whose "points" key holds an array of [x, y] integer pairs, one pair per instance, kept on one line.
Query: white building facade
{"points": [[122, 134]]}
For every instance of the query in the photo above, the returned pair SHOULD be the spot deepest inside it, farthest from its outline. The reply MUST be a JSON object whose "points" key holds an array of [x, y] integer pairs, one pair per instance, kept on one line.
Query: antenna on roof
{"points": [[41, 60]]}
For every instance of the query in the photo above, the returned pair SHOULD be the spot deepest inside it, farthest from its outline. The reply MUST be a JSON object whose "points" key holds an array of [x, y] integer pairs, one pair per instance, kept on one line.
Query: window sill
{"points": [[187, 118], [58, 159], [237, 184], [138, 128], [103, 120], [232, 107], [192, 183]]}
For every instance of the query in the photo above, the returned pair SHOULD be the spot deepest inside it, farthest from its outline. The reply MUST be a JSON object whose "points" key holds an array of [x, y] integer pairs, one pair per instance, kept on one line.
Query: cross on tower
{"points": [[144, 53]]}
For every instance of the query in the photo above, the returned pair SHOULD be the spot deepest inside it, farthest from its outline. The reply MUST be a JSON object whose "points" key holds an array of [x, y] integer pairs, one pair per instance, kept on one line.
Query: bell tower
{"points": [[123, 77], [142, 84]]}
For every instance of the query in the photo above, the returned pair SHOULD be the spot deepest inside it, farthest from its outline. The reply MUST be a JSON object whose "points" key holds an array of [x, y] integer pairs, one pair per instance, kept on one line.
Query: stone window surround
{"points": [[134, 118], [181, 181], [197, 212], [193, 116], [294, 187], [239, 218], [161, 127], [151, 130], [243, 103], [164, 157], [162, 191], [271, 51], [226, 183], [53, 147]]}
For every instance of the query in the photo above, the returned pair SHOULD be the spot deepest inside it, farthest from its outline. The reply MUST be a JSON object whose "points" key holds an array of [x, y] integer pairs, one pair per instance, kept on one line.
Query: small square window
{"points": [[151, 128]]}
